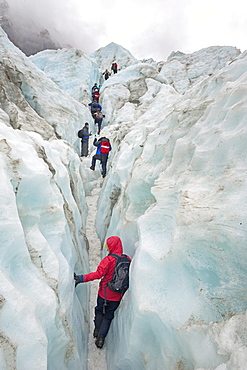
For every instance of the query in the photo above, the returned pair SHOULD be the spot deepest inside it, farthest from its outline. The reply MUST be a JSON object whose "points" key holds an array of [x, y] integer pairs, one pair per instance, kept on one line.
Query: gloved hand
{"points": [[78, 279]]}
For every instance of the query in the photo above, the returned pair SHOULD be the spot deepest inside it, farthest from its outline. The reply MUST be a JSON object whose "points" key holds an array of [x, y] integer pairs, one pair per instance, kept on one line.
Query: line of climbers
{"points": [[113, 270], [107, 74], [96, 109], [103, 143]]}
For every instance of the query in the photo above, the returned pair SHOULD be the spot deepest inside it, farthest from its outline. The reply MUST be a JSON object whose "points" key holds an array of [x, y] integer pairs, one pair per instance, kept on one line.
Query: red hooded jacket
{"points": [[105, 270]]}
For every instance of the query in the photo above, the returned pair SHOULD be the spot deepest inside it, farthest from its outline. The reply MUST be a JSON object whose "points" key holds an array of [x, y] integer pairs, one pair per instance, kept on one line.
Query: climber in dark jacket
{"points": [[114, 67], [84, 135], [103, 149], [107, 74], [95, 88], [107, 301]]}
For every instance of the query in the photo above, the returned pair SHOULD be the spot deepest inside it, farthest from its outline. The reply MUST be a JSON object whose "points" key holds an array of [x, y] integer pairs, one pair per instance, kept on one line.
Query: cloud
{"points": [[146, 28], [157, 39], [60, 18]]}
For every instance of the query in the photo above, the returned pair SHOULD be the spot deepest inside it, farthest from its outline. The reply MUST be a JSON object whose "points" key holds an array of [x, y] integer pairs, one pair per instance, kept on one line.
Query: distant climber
{"points": [[114, 67], [98, 118], [94, 107], [108, 300], [84, 135], [106, 74], [103, 148]]}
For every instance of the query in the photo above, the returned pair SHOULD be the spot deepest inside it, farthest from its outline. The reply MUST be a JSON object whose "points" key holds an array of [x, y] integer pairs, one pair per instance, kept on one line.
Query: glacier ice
{"points": [[174, 193], [189, 269]]}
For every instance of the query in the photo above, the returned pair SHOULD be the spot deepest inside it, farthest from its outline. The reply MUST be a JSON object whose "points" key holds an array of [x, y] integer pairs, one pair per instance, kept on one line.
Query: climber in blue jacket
{"points": [[103, 148], [94, 107]]}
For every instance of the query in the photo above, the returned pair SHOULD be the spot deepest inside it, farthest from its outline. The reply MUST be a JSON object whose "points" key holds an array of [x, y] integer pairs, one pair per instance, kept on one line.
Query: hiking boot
{"points": [[100, 341], [103, 176], [95, 332], [92, 168]]}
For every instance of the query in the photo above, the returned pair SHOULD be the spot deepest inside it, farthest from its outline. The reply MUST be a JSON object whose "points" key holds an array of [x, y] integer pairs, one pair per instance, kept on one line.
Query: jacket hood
{"points": [[114, 244]]}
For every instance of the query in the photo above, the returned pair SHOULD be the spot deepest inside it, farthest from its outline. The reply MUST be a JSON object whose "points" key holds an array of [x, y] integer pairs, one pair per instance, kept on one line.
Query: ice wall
{"points": [[31, 88], [76, 73], [177, 188], [42, 218], [183, 71]]}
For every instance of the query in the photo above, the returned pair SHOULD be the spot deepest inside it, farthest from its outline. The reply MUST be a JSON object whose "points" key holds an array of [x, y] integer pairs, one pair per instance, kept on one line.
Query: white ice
{"points": [[174, 193]]}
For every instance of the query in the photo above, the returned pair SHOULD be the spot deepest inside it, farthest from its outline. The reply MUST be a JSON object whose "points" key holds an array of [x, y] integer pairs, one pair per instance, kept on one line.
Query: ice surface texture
{"points": [[42, 222]]}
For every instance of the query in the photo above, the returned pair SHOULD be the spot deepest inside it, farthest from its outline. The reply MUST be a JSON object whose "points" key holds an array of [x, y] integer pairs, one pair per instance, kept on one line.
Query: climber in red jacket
{"points": [[108, 300], [96, 95]]}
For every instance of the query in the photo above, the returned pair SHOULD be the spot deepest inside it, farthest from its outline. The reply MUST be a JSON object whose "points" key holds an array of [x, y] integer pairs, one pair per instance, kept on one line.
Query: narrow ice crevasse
{"points": [[96, 357]]}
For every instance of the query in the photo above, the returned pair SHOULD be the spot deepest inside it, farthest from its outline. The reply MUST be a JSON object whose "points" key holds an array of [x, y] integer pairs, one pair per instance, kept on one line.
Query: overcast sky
{"points": [[147, 28]]}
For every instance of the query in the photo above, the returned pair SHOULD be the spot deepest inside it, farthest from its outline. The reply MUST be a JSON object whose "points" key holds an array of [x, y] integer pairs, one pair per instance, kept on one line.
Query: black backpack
{"points": [[80, 133], [120, 277]]}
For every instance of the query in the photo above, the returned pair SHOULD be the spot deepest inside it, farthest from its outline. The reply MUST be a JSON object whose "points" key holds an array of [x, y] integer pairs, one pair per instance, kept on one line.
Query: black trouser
{"points": [[104, 315], [103, 160], [84, 148], [103, 163], [99, 122]]}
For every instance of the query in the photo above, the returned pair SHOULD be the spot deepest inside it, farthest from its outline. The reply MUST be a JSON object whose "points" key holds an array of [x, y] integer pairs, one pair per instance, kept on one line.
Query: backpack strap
{"points": [[105, 302], [114, 255]]}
